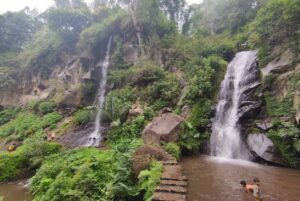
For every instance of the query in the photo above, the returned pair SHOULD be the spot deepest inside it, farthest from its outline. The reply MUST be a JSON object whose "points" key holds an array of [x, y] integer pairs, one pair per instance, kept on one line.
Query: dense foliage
{"points": [[165, 55], [25, 159]]}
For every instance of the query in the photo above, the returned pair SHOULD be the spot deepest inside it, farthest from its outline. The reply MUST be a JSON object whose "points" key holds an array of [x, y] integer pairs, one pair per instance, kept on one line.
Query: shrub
{"points": [[165, 90], [87, 174], [199, 116], [173, 149], [129, 130], [286, 137], [82, 117], [7, 114], [279, 108], [149, 179], [25, 159], [46, 107], [190, 139]]}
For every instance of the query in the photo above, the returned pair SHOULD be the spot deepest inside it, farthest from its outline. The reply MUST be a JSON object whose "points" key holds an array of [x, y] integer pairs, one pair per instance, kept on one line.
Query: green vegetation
{"points": [[149, 179], [25, 159], [168, 66], [46, 107], [83, 116], [279, 108], [7, 114], [27, 124], [190, 139], [287, 137], [173, 149], [87, 174]]}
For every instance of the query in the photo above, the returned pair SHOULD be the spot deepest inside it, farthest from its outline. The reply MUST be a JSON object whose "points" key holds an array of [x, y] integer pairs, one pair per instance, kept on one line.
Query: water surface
{"points": [[212, 179], [14, 192]]}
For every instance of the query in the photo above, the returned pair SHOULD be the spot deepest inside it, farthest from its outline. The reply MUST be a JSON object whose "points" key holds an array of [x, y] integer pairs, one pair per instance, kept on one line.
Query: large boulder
{"points": [[262, 147], [166, 128], [144, 155]]}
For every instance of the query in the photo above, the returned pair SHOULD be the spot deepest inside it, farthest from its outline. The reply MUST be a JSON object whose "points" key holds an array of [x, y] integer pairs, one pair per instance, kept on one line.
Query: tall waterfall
{"points": [[226, 139], [94, 138]]}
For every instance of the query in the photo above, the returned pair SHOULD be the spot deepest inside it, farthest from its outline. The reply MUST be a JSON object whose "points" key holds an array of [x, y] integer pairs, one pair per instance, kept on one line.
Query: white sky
{"points": [[41, 5]]}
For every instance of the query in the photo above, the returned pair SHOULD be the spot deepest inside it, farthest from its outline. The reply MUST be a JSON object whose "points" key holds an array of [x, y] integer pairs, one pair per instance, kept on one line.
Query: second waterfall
{"points": [[94, 138], [241, 76]]}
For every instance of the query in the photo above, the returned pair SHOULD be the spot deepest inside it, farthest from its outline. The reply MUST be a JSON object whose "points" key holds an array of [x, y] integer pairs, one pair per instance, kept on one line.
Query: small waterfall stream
{"points": [[226, 139], [94, 138]]}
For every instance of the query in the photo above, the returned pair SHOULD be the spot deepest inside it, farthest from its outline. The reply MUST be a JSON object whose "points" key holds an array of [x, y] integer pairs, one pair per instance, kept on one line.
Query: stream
{"points": [[217, 179], [14, 192]]}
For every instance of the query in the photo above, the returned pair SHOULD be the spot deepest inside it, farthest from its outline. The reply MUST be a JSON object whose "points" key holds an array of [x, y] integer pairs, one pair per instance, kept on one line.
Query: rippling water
{"points": [[217, 179]]}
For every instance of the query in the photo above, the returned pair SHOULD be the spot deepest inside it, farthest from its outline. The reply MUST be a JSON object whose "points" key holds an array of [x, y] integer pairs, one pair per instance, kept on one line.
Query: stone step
{"points": [[162, 196], [171, 189], [171, 162], [173, 183], [173, 173]]}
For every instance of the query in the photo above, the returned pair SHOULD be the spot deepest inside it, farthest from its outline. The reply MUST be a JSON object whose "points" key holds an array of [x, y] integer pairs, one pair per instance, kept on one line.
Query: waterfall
{"points": [[94, 138], [241, 76]]}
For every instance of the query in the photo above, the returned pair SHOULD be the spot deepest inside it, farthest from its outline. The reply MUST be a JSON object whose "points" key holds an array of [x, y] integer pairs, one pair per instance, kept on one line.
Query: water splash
{"points": [[95, 137], [226, 140]]}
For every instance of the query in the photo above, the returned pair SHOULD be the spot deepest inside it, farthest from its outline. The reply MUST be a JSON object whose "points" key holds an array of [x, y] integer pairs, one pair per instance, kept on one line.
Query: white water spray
{"points": [[226, 140], [95, 137]]}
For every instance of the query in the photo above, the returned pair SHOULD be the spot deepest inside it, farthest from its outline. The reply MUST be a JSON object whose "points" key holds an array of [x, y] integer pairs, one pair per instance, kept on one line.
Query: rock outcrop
{"points": [[262, 147], [61, 82], [279, 64], [166, 128], [144, 155]]}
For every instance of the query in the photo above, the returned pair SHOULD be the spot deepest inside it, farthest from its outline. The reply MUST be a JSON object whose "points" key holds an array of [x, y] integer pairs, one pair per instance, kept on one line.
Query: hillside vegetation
{"points": [[164, 54]]}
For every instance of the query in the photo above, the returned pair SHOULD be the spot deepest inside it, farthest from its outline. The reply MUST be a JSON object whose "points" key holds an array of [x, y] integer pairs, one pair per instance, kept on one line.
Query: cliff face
{"points": [[63, 82], [276, 126]]}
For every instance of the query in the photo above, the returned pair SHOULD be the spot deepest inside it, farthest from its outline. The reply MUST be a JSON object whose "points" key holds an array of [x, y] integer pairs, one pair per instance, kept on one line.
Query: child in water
{"points": [[254, 189]]}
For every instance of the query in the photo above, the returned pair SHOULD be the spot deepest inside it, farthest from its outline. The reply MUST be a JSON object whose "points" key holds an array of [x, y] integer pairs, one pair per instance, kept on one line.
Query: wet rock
{"points": [[159, 196], [262, 147], [248, 109], [264, 125], [166, 127]]}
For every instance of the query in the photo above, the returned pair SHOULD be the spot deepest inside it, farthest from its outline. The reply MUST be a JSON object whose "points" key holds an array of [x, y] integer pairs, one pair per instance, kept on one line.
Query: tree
{"points": [[17, 29], [68, 23]]}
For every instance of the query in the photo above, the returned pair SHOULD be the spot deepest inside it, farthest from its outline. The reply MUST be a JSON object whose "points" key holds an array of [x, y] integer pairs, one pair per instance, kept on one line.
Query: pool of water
{"points": [[14, 192], [216, 179]]}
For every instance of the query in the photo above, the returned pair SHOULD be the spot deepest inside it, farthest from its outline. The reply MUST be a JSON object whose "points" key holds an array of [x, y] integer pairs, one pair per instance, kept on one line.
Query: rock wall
{"points": [[62, 82]]}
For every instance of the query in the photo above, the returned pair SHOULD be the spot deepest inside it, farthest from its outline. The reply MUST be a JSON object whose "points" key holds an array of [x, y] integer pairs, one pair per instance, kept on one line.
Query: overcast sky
{"points": [[41, 5]]}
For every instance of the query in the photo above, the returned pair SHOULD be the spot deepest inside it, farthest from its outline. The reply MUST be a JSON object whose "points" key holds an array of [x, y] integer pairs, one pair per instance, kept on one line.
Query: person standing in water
{"points": [[254, 189]]}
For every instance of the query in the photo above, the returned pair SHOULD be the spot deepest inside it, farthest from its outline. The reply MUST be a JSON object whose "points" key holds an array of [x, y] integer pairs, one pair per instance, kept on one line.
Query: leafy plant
{"points": [[82, 117], [25, 159], [149, 179], [173, 149], [46, 107]]}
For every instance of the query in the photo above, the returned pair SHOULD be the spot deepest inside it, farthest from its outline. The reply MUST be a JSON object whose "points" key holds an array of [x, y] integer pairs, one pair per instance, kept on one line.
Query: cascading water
{"points": [[94, 138], [241, 75]]}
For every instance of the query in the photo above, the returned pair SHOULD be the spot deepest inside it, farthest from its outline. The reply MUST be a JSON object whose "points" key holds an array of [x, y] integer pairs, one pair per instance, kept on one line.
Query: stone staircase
{"points": [[173, 183]]}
